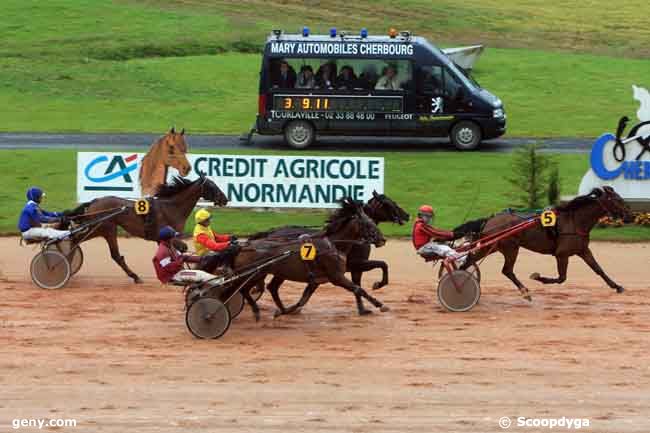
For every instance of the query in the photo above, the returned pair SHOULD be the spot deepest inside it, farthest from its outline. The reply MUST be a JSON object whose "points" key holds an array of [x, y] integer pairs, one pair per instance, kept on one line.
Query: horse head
{"points": [[174, 151], [612, 203], [381, 208], [211, 192], [351, 222]]}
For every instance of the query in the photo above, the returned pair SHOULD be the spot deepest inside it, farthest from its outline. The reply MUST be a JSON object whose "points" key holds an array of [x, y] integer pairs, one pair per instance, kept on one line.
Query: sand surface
{"points": [[117, 357]]}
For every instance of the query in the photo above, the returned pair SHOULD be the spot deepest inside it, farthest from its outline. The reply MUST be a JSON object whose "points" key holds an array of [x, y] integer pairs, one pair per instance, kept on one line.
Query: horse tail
{"points": [[470, 228]]}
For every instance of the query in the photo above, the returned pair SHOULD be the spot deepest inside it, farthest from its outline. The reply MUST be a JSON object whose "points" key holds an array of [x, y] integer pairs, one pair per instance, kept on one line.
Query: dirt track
{"points": [[117, 357]]}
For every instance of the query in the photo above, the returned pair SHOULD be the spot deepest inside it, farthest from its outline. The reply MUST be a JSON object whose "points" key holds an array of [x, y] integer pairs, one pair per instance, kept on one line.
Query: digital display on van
{"points": [[370, 104]]}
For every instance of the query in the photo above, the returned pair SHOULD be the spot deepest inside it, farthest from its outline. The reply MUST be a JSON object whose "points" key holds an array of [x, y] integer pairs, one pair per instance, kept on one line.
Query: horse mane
{"points": [[348, 209], [177, 185], [289, 229], [579, 201], [470, 227]]}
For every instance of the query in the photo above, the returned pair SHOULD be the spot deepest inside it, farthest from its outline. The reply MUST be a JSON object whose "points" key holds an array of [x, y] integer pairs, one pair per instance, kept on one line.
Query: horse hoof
{"points": [[620, 289], [384, 309], [257, 317], [296, 311], [277, 313], [528, 298], [364, 312], [138, 280], [377, 285], [535, 276]]}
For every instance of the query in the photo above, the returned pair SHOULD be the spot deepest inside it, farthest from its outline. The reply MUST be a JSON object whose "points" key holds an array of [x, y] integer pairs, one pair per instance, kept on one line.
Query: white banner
{"points": [[247, 180]]}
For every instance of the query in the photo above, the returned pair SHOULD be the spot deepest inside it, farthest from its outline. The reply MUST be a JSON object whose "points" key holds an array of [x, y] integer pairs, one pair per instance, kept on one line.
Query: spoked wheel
{"points": [[207, 318], [458, 291], [73, 253], [235, 304], [50, 269], [257, 291], [472, 269]]}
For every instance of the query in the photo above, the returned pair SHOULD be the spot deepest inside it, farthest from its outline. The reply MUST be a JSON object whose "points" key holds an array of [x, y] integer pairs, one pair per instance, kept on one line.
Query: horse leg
{"points": [[306, 295], [111, 240], [273, 286], [562, 265], [339, 279], [368, 265], [510, 255], [589, 259], [246, 293]]}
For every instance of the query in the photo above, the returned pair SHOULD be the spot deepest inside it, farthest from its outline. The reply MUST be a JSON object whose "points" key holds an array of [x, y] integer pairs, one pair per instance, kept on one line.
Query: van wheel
{"points": [[466, 135], [299, 134]]}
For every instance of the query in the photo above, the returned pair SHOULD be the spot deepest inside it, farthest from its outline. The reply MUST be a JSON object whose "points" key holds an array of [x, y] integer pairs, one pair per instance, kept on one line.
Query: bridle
{"points": [[606, 204]]}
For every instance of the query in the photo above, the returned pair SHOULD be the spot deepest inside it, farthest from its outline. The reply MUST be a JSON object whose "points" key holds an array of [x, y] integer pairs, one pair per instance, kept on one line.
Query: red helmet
{"points": [[425, 208]]}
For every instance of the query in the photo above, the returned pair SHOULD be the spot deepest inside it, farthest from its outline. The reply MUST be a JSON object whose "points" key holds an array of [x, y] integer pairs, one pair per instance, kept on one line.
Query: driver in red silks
{"points": [[425, 237]]}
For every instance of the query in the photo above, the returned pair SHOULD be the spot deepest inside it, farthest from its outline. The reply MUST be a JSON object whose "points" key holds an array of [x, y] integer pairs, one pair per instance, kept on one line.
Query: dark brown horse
{"points": [[172, 205], [345, 228], [569, 237], [379, 208]]}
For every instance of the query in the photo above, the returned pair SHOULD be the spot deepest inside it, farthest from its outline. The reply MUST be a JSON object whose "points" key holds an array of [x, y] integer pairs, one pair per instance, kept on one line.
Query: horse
{"points": [[380, 208], [168, 151], [171, 205], [569, 237], [344, 228]]}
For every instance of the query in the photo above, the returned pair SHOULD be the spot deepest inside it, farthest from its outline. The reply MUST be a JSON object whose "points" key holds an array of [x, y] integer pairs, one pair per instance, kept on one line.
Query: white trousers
{"points": [[45, 233], [191, 276], [439, 250]]}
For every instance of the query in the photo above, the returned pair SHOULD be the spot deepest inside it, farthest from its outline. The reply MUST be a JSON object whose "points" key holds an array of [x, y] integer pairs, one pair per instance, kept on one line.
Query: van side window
{"points": [[360, 75], [452, 85], [429, 81]]}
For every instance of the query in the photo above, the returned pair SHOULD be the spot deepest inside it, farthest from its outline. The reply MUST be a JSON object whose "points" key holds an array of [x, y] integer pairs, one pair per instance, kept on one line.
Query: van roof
{"points": [[298, 37]]}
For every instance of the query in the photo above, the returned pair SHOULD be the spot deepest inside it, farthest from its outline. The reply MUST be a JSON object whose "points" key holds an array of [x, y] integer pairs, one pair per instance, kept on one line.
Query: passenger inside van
{"points": [[389, 80], [306, 79], [326, 75], [346, 79], [285, 77], [368, 77]]}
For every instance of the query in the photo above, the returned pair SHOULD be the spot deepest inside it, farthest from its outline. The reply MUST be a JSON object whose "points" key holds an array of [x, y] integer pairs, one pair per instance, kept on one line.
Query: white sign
{"points": [[247, 180], [625, 166]]}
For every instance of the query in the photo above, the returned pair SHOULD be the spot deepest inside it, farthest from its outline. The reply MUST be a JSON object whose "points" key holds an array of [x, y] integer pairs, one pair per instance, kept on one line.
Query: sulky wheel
{"points": [[50, 269], [458, 291], [257, 290], [76, 259], [207, 318], [72, 252], [472, 269], [235, 304]]}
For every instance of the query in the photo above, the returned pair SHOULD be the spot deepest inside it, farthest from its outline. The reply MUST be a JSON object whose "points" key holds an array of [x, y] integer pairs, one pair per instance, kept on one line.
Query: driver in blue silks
{"points": [[33, 218]]}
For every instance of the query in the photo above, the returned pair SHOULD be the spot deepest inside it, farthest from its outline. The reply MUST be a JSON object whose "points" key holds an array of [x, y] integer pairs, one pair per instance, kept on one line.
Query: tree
{"points": [[554, 185], [530, 175]]}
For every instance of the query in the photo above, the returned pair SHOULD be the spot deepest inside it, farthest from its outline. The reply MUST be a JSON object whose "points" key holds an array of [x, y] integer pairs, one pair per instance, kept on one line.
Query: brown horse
{"points": [[168, 151], [345, 228], [172, 205], [569, 237], [380, 208]]}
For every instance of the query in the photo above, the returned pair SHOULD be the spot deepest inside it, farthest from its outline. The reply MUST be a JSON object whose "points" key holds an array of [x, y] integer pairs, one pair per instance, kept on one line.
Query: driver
{"points": [[220, 248], [36, 223], [169, 262], [425, 236]]}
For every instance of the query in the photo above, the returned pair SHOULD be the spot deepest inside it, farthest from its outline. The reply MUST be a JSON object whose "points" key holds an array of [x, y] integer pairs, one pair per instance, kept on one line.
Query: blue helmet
{"points": [[35, 194], [167, 233]]}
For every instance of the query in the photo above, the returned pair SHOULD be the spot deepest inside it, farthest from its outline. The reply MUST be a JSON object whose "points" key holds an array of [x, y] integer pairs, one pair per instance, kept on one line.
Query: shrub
{"points": [[530, 176]]}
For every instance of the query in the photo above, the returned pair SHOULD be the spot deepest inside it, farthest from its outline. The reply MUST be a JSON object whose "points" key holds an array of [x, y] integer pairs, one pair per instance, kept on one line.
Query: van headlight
{"points": [[498, 113]]}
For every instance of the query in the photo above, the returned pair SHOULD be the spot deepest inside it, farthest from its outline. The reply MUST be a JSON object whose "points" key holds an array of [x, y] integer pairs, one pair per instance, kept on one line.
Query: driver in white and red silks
{"points": [[426, 238], [169, 262], [33, 221]]}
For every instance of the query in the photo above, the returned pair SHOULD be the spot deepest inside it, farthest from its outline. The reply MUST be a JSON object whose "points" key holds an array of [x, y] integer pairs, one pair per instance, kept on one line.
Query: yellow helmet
{"points": [[201, 216]]}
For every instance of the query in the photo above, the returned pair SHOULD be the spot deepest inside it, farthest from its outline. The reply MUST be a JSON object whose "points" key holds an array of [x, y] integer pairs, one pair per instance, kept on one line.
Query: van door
{"points": [[430, 110]]}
